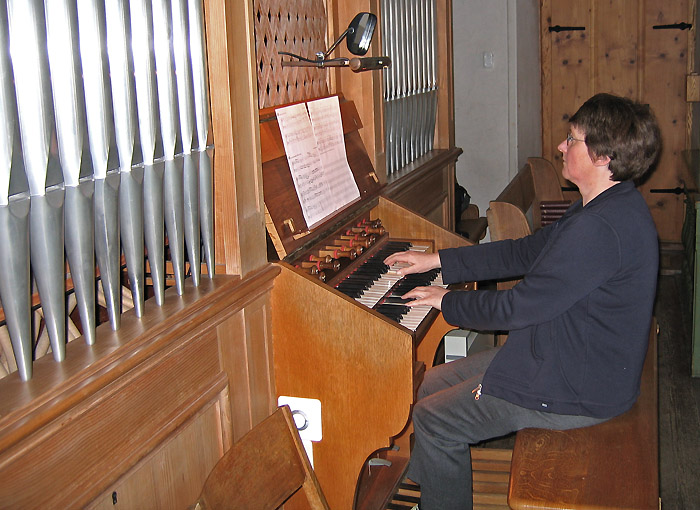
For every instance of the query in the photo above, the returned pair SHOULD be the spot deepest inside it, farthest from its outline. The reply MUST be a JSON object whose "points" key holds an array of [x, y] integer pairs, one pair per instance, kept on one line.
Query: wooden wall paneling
{"points": [[247, 357], [175, 472], [82, 441], [112, 414], [620, 52], [427, 186], [239, 209], [244, 343], [567, 77], [355, 361], [665, 62], [616, 50], [428, 196], [445, 122]]}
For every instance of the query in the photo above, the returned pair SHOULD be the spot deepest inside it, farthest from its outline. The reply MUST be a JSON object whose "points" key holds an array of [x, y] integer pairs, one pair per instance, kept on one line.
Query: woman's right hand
{"points": [[416, 262]]}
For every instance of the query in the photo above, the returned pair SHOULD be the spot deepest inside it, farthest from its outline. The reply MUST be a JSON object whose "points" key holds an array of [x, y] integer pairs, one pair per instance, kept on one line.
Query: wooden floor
{"points": [[679, 401]]}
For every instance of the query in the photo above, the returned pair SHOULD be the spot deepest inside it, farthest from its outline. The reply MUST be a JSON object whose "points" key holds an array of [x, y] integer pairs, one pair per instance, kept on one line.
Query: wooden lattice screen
{"points": [[297, 26]]}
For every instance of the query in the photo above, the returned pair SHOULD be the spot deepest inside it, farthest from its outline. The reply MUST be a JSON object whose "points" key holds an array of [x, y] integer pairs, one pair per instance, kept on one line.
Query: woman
{"points": [[578, 321]]}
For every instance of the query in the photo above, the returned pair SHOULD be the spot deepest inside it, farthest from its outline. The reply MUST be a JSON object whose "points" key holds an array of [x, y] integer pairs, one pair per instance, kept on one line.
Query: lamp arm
{"points": [[348, 30], [303, 59]]}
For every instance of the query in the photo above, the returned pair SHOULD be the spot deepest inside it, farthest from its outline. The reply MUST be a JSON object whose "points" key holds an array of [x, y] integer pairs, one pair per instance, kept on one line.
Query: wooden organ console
{"points": [[339, 339]]}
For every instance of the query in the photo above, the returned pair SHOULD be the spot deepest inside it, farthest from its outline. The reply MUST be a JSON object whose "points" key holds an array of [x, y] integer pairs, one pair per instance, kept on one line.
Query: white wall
{"points": [[497, 109]]}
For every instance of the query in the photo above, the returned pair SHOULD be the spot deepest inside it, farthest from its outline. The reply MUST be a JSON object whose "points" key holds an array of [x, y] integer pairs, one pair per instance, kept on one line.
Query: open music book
{"points": [[315, 147]]}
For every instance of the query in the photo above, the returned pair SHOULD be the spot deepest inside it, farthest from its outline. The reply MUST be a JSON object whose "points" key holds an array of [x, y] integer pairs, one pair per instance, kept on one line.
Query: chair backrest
{"points": [[262, 470], [546, 185], [506, 221]]}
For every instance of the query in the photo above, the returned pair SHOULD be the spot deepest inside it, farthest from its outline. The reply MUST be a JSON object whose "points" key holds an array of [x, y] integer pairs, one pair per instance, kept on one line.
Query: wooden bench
{"points": [[613, 465], [535, 187]]}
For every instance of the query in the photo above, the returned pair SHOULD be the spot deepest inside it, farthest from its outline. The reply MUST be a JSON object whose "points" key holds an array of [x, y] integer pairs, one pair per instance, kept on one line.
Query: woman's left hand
{"points": [[431, 296]]}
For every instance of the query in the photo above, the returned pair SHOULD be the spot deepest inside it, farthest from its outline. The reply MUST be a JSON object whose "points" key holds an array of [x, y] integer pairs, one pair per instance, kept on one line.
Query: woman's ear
{"points": [[601, 160]]}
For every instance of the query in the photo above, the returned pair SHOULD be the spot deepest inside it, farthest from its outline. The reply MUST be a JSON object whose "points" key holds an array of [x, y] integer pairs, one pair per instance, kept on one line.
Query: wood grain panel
{"points": [[617, 51], [112, 430], [569, 80], [355, 361], [175, 472], [239, 209], [234, 355], [445, 121], [620, 52], [428, 196], [403, 223], [363, 89], [262, 384], [78, 427], [666, 53]]}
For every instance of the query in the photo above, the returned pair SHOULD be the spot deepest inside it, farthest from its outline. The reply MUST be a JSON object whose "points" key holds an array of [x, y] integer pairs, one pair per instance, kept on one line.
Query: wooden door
{"points": [[596, 46]]}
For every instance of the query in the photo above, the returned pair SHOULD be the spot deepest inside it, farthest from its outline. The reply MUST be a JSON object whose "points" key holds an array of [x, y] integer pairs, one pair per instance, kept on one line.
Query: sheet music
{"points": [[317, 159], [328, 131]]}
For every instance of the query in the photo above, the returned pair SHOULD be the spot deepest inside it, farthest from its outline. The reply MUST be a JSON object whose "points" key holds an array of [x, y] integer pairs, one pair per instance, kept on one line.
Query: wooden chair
{"points": [[262, 470], [506, 221]]}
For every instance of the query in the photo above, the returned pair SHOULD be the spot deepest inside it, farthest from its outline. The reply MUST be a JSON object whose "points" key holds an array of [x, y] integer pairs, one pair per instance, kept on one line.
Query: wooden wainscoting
{"points": [[141, 417]]}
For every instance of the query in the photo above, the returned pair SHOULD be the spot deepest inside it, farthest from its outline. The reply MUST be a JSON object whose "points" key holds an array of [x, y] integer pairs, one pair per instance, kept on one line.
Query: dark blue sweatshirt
{"points": [[579, 320]]}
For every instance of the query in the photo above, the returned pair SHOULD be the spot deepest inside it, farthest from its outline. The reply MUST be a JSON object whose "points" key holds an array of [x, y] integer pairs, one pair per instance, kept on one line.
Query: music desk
{"points": [[613, 465]]}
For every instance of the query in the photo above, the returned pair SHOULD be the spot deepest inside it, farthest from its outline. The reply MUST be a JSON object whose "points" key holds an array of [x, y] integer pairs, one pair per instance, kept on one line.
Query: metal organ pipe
{"points": [[201, 117], [149, 126], [15, 293], [173, 199], [121, 72], [100, 153], [410, 85], [69, 107], [27, 30]]}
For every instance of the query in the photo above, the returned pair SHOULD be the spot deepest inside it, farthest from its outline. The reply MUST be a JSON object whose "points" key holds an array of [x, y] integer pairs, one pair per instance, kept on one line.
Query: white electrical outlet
{"points": [[307, 417]]}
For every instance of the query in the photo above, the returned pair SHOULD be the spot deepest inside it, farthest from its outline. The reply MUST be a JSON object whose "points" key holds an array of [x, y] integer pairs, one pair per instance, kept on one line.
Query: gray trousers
{"points": [[450, 415]]}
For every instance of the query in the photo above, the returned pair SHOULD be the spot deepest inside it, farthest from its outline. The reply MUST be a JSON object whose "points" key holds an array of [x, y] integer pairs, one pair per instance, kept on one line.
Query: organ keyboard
{"points": [[341, 332], [368, 280]]}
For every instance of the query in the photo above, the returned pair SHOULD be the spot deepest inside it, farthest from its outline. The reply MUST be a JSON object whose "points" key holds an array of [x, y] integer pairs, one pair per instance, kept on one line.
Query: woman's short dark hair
{"points": [[623, 130]]}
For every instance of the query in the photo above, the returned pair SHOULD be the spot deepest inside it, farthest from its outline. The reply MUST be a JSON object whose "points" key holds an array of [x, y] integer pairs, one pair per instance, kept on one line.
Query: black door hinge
{"points": [[557, 28], [677, 26]]}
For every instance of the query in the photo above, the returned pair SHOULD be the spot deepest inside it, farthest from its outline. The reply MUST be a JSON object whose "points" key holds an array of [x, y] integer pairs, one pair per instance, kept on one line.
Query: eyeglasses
{"points": [[570, 139]]}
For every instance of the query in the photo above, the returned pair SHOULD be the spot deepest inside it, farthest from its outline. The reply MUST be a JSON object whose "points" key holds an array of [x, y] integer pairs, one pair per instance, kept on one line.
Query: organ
{"points": [[340, 333]]}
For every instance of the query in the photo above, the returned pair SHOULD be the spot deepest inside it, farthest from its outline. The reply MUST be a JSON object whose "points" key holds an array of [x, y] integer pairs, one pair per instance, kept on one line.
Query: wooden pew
{"points": [[534, 187], [613, 465]]}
